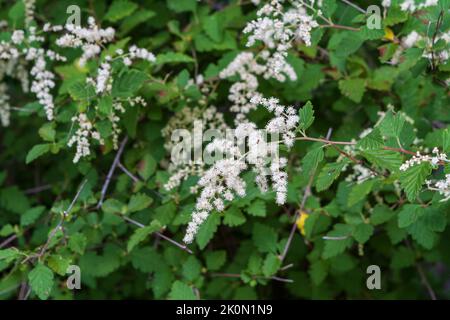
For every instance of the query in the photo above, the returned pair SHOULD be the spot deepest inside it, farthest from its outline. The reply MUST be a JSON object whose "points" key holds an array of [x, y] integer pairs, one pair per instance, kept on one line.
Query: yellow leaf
{"points": [[389, 34], [301, 222]]}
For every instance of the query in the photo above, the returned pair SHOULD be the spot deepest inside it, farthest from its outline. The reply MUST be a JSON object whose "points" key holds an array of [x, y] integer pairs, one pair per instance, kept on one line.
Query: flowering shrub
{"points": [[189, 149]]}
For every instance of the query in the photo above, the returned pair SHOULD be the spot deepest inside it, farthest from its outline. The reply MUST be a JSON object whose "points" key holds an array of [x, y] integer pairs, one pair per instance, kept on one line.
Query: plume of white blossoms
{"points": [[434, 160], [219, 183], [285, 121], [413, 5], [277, 28], [4, 105], [89, 39], [19, 52], [441, 186], [209, 119], [81, 137]]}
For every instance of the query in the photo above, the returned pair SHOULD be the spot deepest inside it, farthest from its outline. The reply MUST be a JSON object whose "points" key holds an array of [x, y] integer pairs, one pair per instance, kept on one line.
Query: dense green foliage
{"points": [[124, 243]]}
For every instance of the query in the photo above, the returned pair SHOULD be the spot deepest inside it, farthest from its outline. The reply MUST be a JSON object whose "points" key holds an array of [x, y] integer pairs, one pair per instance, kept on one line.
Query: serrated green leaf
{"points": [[207, 230], [139, 202], [181, 291], [306, 114], [215, 259], [142, 233], [353, 89], [413, 178], [41, 281], [120, 9], [271, 265], [37, 151], [328, 174], [362, 232]]}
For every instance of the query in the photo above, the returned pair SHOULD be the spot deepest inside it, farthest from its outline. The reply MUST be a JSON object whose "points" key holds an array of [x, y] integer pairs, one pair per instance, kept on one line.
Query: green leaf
{"points": [[145, 259], [181, 291], [306, 114], [402, 258], [80, 91], [47, 132], [413, 178], [139, 202], [338, 240], [446, 140], [182, 6], [31, 215], [353, 89], [385, 159], [328, 174], [215, 259], [312, 159], [271, 265], [105, 105], [173, 57], [265, 238], [114, 206], [257, 208], [318, 271], [392, 125], [37, 151], [9, 254], [373, 140], [77, 243], [191, 268], [409, 215], [127, 83], [211, 26], [233, 217], [119, 9], [360, 191], [141, 234], [41, 281], [362, 232], [147, 166], [207, 230], [59, 264], [381, 214], [328, 7]]}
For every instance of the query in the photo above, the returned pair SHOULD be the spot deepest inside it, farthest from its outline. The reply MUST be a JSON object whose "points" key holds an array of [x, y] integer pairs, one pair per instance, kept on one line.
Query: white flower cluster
{"points": [[360, 174], [210, 119], [4, 105], [414, 38], [412, 5], [220, 183], [285, 121], [441, 186], [90, 39], [419, 158], [21, 50], [81, 137], [277, 29]]}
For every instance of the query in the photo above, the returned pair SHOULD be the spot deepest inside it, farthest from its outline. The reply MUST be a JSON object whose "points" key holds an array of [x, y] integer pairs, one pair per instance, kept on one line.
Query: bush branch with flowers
{"points": [[102, 124]]}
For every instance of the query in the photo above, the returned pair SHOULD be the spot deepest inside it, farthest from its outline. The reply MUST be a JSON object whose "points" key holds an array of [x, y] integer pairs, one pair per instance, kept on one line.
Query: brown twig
{"points": [[111, 172], [237, 275], [159, 234]]}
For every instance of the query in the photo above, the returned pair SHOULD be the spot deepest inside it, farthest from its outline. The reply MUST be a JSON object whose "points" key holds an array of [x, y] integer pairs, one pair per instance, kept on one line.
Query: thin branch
{"points": [[111, 172], [128, 173], [425, 282], [159, 234], [354, 6], [237, 275], [38, 189], [8, 240], [61, 221], [338, 26]]}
